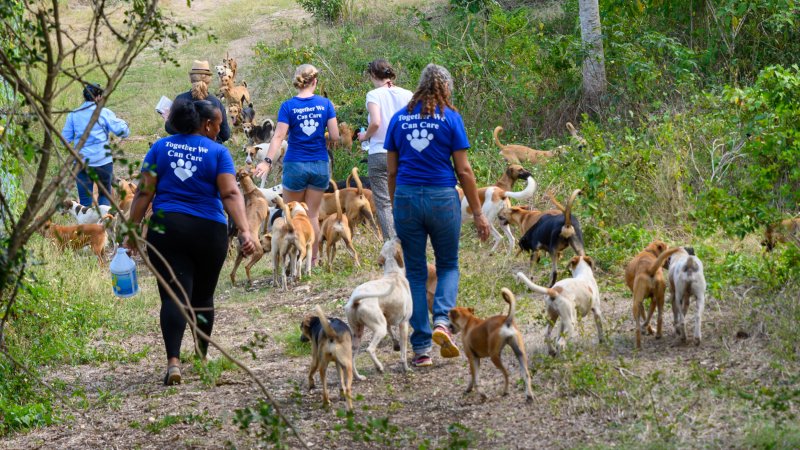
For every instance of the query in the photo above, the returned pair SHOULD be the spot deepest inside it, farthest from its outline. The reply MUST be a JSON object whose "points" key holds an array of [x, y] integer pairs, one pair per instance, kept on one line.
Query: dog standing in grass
{"points": [[331, 340], [336, 228], [76, 237], [687, 280], [257, 211]]}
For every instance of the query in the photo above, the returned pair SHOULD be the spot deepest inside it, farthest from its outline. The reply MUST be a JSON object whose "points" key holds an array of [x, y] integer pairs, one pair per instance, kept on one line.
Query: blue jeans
{"points": [[299, 176], [103, 175], [422, 212]]}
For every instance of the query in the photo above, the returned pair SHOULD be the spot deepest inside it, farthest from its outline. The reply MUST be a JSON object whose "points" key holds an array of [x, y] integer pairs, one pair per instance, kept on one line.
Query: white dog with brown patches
{"points": [[381, 304], [570, 299], [686, 280]]}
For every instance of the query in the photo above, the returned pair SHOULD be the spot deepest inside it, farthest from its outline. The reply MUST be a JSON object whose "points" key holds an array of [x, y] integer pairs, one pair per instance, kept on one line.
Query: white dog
{"points": [[494, 200], [381, 304], [686, 279], [257, 153], [86, 214], [570, 299]]}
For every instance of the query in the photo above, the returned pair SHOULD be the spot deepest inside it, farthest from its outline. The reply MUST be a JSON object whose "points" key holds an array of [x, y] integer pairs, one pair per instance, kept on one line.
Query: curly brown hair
{"points": [[434, 90]]}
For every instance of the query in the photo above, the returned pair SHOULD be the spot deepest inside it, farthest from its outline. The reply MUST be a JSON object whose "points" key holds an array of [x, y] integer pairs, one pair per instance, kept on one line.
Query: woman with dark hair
{"points": [[424, 141], [94, 152], [200, 77], [304, 119], [382, 102], [192, 179]]}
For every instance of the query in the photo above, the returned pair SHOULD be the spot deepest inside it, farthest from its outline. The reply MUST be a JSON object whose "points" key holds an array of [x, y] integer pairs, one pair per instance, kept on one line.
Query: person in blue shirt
{"points": [[304, 118], [94, 152], [424, 141], [192, 179]]}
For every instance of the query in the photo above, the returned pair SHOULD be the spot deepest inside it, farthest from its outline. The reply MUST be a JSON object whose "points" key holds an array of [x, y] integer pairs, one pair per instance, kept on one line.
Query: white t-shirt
{"points": [[389, 100]]}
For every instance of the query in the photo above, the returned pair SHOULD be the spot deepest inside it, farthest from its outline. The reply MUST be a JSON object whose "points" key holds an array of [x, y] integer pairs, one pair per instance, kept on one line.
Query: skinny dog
{"points": [[518, 154], [283, 241], [257, 211], [381, 304], [85, 214], [569, 300], [78, 236], [331, 340], [487, 338], [335, 228], [645, 279], [686, 280]]}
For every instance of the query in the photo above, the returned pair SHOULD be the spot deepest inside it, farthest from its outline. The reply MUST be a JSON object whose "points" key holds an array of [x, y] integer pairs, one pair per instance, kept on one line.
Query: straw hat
{"points": [[200, 67]]}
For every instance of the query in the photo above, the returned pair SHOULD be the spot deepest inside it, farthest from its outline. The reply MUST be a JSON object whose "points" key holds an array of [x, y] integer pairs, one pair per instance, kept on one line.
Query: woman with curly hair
{"points": [[427, 150], [304, 118]]}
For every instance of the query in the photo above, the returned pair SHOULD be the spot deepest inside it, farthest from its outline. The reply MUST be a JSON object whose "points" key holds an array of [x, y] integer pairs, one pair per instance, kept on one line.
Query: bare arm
{"points": [[233, 201], [392, 159], [145, 192], [333, 129], [374, 121], [281, 131], [467, 180]]}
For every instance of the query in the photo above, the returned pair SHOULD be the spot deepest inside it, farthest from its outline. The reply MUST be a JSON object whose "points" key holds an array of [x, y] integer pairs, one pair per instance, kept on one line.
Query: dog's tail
{"points": [[659, 262], [508, 296], [357, 298], [691, 265], [338, 201], [329, 331], [578, 138], [497, 130], [567, 231], [287, 215], [535, 287], [357, 179], [526, 193]]}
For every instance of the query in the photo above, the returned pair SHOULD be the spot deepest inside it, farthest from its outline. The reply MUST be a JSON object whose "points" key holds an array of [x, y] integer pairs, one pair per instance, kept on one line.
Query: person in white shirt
{"points": [[382, 103]]}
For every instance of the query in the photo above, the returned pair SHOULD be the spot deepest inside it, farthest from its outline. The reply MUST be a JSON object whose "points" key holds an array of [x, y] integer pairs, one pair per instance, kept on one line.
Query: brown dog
{"points": [[125, 191], [78, 236], [523, 218], [334, 228], [517, 154], [357, 204], [331, 340], [257, 211], [787, 230], [645, 279], [297, 214], [234, 95], [487, 338]]}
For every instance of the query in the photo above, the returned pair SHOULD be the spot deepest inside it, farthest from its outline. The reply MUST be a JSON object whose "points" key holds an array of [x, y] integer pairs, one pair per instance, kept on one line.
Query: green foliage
{"points": [[210, 371], [327, 10], [267, 426]]}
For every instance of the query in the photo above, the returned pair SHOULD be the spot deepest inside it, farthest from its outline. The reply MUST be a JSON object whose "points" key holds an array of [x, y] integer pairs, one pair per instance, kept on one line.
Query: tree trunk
{"points": [[594, 68]]}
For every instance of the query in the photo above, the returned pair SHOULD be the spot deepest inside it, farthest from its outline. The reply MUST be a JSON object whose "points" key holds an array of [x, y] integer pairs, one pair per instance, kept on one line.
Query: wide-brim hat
{"points": [[201, 68]]}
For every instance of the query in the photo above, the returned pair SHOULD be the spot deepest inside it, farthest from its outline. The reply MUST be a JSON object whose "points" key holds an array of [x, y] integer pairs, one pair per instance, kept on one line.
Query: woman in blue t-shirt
{"points": [[304, 118], [424, 141], [192, 179]]}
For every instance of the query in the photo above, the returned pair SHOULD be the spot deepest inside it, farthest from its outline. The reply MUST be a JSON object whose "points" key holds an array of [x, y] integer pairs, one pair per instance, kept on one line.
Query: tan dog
{"points": [[517, 154], [78, 236], [231, 64], [345, 138], [645, 279], [487, 338], [234, 95], [125, 192], [787, 230], [304, 235], [284, 246], [257, 211], [331, 340], [357, 204], [577, 137], [335, 228], [523, 218], [235, 114], [569, 300]]}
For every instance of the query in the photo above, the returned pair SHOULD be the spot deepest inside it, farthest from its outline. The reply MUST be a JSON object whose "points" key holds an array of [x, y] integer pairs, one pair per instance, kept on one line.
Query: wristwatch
{"points": [[268, 160]]}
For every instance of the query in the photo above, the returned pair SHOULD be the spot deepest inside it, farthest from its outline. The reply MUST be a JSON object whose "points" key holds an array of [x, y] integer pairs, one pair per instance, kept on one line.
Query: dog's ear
{"points": [[471, 310], [243, 99], [398, 254], [573, 263], [381, 261], [590, 261]]}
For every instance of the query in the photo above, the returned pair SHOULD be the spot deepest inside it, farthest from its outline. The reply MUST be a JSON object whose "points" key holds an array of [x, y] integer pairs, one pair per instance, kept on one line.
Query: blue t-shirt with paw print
{"points": [[307, 118], [186, 167], [425, 146]]}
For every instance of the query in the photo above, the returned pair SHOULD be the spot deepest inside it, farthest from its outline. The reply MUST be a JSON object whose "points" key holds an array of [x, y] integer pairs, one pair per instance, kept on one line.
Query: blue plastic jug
{"points": [[124, 281]]}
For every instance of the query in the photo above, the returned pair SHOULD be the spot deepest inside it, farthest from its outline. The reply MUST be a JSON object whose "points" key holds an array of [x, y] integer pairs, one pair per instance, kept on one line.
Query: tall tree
{"points": [[594, 66]]}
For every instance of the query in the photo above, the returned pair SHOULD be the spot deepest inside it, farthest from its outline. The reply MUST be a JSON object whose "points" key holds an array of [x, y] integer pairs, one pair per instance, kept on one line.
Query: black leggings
{"points": [[195, 248]]}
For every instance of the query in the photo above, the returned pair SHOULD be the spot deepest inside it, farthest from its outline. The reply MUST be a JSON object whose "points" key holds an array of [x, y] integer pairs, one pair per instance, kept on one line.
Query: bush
{"points": [[327, 10]]}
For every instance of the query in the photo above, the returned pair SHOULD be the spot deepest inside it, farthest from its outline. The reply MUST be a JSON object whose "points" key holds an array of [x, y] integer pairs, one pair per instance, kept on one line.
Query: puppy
{"points": [[487, 338], [381, 304], [257, 211], [553, 234], [335, 228], [686, 280], [645, 280], [85, 214], [331, 340], [259, 134], [517, 154], [569, 300], [79, 236], [787, 230], [297, 214], [495, 198]]}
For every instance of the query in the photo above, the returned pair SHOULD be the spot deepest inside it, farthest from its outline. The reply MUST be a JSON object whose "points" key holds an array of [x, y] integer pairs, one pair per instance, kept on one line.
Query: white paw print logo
{"points": [[183, 169], [309, 126], [420, 140]]}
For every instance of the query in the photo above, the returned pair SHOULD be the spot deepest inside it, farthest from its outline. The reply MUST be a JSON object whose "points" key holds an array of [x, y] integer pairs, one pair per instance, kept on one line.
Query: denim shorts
{"points": [[299, 176]]}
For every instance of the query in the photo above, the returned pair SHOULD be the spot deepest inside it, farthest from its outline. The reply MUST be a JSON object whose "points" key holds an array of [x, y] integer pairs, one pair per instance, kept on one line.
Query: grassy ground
{"points": [[737, 390]]}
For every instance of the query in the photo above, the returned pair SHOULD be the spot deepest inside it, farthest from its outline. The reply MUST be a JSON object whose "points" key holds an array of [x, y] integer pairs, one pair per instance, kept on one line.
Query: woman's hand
{"points": [[481, 226], [262, 169], [246, 243], [362, 136], [130, 244]]}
